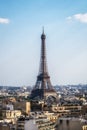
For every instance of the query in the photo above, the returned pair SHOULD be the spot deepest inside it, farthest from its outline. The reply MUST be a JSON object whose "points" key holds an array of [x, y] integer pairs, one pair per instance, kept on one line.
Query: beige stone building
{"points": [[51, 116], [4, 127], [23, 106], [71, 124], [8, 114], [84, 127]]}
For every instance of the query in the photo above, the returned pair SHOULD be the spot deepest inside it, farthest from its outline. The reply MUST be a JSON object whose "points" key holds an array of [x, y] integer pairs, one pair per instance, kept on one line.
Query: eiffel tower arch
{"points": [[43, 87]]}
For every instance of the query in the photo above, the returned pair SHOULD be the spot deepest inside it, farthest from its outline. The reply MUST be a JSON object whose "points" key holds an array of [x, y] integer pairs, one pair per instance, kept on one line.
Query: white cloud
{"points": [[78, 17], [4, 21]]}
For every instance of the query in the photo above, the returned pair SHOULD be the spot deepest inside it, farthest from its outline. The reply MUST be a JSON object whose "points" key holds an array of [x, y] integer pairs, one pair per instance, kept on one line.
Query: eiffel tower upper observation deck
{"points": [[43, 87]]}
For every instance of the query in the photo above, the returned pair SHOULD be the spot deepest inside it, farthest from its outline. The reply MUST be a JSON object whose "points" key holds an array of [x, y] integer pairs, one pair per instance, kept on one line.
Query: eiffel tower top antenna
{"points": [[43, 30]]}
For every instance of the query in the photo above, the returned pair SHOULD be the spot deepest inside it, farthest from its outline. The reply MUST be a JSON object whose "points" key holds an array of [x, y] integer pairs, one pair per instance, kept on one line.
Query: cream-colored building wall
{"points": [[84, 127], [11, 114], [24, 106], [28, 107]]}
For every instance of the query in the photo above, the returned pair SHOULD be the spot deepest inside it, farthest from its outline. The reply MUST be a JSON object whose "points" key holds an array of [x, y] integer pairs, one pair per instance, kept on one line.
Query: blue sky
{"points": [[65, 23]]}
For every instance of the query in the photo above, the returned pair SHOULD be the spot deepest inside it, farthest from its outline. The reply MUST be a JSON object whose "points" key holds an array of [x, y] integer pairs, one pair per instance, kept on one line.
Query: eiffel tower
{"points": [[43, 87]]}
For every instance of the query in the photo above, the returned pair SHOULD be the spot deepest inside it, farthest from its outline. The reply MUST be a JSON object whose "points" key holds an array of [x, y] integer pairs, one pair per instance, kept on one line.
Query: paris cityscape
{"points": [[43, 65]]}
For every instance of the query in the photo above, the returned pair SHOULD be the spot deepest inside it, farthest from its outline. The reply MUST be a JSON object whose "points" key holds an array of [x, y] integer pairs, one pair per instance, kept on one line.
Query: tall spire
{"points": [[43, 30], [43, 84], [43, 62], [43, 36]]}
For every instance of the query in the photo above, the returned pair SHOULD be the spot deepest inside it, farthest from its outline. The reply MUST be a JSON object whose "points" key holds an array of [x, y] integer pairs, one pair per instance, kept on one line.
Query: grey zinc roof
{"points": [[30, 125]]}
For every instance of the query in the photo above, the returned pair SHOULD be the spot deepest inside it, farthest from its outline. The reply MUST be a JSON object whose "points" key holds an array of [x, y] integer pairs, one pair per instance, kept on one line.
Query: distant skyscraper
{"points": [[43, 87]]}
